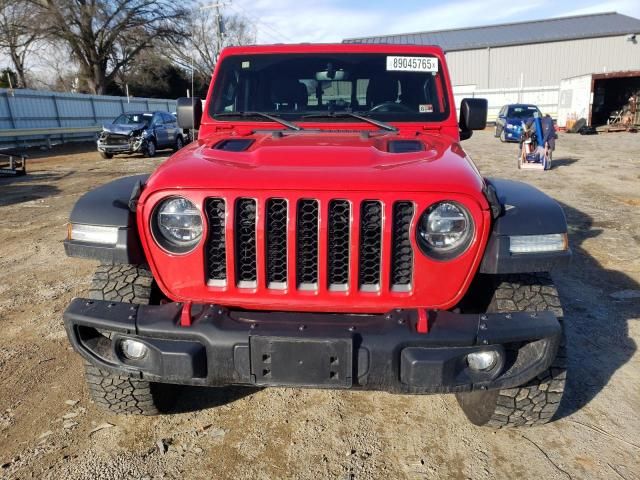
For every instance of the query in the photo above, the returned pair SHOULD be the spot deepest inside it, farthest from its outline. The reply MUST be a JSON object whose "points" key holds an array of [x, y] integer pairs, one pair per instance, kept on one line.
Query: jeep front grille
{"points": [[309, 245]]}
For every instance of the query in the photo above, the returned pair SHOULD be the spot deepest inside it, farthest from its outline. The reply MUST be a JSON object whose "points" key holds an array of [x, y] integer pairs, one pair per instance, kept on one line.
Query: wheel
{"points": [[106, 155], [150, 148], [503, 136], [535, 402], [179, 143], [120, 393], [495, 131]]}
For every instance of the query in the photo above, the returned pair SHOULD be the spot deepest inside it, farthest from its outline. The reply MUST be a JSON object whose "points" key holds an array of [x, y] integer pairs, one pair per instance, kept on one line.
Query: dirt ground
{"points": [[50, 429]]}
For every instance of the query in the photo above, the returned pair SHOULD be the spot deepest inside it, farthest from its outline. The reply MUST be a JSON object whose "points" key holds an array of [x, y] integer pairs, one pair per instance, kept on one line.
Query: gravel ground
{"points": [[50, 429]]}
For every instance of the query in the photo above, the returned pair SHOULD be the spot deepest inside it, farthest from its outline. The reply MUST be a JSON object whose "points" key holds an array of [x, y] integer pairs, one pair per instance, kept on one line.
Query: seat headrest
{"points": [[289, 93], [382, 89]]}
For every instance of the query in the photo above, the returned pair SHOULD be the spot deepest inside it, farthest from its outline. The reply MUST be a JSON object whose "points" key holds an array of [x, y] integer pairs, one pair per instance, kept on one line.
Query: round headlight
{"points": [[177, 225], [445, 230]]}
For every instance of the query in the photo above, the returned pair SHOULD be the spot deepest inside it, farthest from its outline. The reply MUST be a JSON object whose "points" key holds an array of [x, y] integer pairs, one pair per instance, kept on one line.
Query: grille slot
{"points": [[276, 243], [307, 245], [370, 245], [401, 251], [245, 243], [216, 251], [338, 244]]}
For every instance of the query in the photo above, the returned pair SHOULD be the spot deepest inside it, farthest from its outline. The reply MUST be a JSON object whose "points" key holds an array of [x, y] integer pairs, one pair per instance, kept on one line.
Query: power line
{"points": [[274, 31]]}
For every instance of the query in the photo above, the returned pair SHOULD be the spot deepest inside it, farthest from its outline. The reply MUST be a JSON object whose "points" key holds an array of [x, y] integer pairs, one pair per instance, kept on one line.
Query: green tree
{"points": [[8, 78]]}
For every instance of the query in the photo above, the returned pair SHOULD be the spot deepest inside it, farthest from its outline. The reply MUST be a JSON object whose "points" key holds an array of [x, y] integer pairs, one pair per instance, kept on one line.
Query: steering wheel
{"points": [[391, 107]]}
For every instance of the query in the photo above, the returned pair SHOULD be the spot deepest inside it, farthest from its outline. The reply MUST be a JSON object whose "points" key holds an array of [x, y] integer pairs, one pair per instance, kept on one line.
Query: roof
{"points": [[520, 33]]}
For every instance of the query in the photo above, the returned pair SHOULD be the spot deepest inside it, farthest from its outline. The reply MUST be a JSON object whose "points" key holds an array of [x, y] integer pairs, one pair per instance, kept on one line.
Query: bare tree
{"points": [[207, 31], [95, 29], [19, 33], [55, 68]]}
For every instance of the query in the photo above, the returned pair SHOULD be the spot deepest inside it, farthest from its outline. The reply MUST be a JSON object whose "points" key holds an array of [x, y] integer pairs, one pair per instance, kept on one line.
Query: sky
{"points": [[284, 21]]}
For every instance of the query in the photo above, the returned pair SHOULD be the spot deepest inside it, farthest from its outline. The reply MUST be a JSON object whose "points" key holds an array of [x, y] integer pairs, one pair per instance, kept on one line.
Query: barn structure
{"points": [[528, 61]]}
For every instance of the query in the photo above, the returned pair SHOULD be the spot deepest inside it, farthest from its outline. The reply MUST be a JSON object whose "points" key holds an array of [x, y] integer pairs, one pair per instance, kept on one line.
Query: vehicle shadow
{"points": [[596, 324], [193, 399], [562, 162], [26, 188]]}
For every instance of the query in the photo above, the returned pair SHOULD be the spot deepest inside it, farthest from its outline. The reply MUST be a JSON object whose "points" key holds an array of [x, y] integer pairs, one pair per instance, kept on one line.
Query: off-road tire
{"points": [[122, 283], [126, 395], [535, 402], [120, 393], [106, 155], [503, 136]]}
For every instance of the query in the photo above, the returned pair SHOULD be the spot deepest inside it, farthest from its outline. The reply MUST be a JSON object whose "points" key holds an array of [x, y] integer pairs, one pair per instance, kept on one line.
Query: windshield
{"points": [[133, 118], [523, 112], [294, 86]]}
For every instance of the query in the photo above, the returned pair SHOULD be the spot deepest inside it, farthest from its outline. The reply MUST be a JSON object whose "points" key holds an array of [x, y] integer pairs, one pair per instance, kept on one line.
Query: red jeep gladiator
{"points": [[326, 230]]}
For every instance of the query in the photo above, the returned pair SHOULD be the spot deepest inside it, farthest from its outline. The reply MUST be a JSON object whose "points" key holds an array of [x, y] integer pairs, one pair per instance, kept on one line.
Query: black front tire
{"points": [[179, 143], [535, 402], [150, 148], [119, 393], [106, 155]]}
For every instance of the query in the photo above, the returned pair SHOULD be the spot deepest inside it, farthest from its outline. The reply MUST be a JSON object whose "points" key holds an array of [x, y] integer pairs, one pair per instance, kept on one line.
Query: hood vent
{"points": [[405, 146], [234, 144]]}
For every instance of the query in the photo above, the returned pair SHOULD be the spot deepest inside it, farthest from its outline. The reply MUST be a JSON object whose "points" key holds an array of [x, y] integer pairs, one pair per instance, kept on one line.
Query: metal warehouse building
{"points": [[527, 61]]}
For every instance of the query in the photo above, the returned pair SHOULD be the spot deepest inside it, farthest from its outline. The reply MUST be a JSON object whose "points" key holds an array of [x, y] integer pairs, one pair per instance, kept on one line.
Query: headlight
{"points": [[445, 230], [177, 225], [511, 125]]}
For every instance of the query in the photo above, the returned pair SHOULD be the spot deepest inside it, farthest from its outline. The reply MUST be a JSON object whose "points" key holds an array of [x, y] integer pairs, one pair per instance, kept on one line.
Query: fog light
{"points": [[133, 349], [482, 361]]}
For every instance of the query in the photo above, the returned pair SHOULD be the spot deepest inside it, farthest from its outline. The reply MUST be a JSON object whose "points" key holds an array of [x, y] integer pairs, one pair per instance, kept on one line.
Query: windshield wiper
{"points": [[377, 123], [273, 118]]}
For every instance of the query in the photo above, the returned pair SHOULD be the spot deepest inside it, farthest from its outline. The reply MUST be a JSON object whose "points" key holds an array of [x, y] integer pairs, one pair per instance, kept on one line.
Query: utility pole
{"points": [[219, 32], [219, 26]]}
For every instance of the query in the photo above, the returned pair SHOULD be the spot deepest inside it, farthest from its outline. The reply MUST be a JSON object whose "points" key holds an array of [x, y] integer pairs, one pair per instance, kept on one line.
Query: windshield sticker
{"points": [[246, 64], [426, 108], [412, 64]]}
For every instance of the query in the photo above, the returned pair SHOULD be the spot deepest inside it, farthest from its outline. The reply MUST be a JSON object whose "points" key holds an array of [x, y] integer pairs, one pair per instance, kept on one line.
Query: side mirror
{"points": [[473, 116], [189, 113]]}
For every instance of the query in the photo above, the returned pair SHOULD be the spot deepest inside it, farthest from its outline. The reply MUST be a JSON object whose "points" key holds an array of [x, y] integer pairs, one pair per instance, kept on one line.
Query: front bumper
{"points": [[373, 352], [135, 145], [513, 134]]}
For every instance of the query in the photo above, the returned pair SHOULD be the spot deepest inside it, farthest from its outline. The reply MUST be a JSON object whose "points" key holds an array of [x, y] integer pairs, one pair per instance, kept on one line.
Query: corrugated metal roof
{"points": [[520, 33]]}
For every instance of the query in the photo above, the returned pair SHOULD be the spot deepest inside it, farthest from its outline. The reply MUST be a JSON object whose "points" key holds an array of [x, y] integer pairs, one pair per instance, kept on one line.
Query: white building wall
{"points": [[542, 63]]}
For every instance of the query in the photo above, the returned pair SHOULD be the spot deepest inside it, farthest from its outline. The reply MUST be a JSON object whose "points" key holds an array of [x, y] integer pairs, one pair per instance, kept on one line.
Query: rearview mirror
{"points": [[473, 116], [189, 113]]}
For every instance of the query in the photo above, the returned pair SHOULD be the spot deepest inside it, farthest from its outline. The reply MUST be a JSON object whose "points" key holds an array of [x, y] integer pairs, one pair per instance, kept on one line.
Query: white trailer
{"points": [[595, 96]]}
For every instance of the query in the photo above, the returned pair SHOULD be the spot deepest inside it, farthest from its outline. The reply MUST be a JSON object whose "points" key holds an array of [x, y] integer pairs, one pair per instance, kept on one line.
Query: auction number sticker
{"points": [[412, 64]]}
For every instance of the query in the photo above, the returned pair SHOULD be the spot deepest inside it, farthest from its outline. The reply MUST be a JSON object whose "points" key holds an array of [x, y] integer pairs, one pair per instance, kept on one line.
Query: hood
{"points": [[121, 129], [321, 161]]}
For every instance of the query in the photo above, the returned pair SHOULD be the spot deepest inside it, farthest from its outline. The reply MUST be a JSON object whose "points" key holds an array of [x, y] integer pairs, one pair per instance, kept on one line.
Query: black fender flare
{"points": [[524, 210], [110, 205]]}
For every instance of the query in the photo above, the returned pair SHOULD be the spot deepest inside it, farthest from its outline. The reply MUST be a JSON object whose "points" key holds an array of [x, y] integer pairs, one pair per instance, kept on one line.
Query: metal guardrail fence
{"points": [[29, 117]]}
